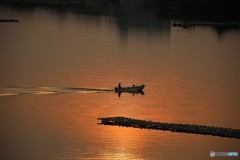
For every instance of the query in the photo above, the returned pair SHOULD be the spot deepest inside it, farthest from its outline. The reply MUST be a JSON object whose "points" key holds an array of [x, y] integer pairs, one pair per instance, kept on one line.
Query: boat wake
{"points": [[15, 90]]}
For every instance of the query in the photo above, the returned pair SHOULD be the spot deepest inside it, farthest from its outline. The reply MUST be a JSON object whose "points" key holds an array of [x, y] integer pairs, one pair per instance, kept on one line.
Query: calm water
{"points": [[191, 76]]}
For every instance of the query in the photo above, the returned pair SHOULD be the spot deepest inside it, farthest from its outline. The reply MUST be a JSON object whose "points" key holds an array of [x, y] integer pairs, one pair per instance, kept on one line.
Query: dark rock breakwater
{"points": [[182, 128]]}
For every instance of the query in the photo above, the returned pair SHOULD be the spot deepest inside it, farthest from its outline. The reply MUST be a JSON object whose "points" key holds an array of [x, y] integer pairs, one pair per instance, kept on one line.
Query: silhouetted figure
{"points": [[119, 85]]}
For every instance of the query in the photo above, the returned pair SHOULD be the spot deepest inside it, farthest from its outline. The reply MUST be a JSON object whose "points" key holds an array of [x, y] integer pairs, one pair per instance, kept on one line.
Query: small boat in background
{"points": [[132, 89]]}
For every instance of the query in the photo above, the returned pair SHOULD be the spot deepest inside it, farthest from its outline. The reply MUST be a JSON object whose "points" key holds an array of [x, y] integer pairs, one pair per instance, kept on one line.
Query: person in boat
{"points": [[119, 85]]}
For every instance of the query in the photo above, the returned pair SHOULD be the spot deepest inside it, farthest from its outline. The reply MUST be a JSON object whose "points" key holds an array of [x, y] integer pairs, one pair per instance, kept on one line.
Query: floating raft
{"points": [[9, 20], [216, 24], [182, 128]]}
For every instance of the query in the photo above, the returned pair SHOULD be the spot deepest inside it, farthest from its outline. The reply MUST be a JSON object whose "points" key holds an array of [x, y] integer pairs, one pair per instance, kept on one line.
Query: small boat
{"points": [[133, 89]]}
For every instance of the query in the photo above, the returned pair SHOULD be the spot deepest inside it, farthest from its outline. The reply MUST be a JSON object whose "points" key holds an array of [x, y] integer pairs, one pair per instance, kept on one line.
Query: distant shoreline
{"points": [[169, 4], [208, 9]]}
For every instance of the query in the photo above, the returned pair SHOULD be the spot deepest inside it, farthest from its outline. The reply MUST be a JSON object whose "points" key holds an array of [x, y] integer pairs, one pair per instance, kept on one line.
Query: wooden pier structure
{"points": [[181, 128]]}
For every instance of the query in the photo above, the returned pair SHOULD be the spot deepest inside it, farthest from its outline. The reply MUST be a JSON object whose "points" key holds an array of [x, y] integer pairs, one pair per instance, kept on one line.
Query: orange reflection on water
{"points": [[122, 143]]}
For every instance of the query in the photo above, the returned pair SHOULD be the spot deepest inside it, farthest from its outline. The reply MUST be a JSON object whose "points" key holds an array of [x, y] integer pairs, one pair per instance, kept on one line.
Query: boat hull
{"points": [[130, 89]]}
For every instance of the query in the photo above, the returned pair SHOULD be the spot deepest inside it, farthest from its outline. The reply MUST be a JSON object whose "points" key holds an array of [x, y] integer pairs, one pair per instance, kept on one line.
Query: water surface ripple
{"points": [[17, 90]]}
